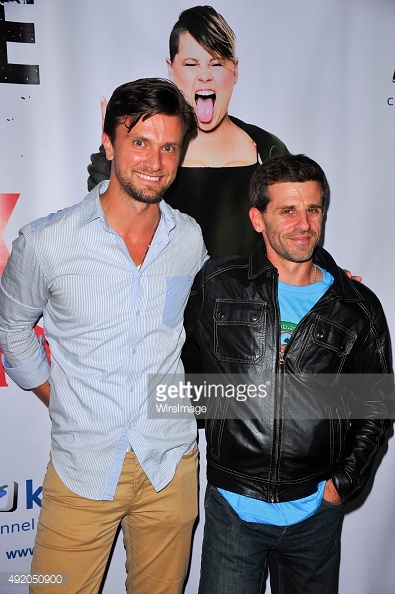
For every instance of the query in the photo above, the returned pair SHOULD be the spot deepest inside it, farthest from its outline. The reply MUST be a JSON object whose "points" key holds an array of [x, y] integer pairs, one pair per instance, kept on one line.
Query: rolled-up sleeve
{"points": [[23, 297]]}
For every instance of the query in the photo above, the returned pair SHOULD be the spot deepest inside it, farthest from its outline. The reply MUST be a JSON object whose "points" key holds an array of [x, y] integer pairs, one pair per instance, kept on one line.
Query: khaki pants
{"points": [[75, 535]]}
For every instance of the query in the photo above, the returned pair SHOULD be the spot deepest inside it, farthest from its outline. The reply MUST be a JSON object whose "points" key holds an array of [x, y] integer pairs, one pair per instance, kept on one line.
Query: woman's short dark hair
{"points": [[285, 168], [208, 28], [144, 98]]}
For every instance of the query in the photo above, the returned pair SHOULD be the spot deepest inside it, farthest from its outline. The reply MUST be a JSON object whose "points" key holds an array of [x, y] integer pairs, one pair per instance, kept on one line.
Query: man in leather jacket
{"points": [[315, 349]]}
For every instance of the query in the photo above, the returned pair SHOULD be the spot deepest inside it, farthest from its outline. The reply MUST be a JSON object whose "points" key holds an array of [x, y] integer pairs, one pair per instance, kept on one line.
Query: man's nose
{"points": [[153, 160], [303, 220]]}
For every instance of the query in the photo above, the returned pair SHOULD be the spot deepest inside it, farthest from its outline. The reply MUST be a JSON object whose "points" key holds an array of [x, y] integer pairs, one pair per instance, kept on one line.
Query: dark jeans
{"points": [[305, 557]]}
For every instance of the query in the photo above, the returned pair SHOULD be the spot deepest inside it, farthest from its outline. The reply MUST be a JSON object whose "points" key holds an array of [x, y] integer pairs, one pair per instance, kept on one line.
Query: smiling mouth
{"points": [[205, 101], [154, 178]]}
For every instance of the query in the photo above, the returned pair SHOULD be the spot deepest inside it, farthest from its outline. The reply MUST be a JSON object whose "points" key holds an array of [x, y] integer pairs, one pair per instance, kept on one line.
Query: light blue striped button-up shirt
{"points": [[109, 325]]}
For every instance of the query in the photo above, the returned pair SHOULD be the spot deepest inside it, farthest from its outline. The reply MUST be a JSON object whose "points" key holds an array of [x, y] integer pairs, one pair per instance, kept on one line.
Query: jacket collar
{"points": [[259, 263], [343, 288]]}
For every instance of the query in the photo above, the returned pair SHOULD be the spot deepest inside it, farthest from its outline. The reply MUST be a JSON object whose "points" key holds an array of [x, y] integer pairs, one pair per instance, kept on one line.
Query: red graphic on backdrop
{"points": [[7, 205]]}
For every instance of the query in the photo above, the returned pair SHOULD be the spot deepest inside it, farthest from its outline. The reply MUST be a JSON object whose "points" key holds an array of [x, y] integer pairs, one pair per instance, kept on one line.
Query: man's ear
{"points": [[169, 68], [108, 147], [256, 219]]}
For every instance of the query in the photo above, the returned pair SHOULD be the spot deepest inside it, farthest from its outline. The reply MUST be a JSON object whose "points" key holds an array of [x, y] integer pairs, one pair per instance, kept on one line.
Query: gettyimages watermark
{"points": [[286, 396]]}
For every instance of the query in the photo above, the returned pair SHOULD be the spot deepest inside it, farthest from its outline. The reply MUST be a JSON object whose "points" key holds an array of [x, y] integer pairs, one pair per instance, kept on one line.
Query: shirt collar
{"points": [[91, 205]]}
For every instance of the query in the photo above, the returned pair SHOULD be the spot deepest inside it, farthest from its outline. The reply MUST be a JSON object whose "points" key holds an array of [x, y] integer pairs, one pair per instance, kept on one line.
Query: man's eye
{"points": [[190, 64], [139, 143], [169, 149]]}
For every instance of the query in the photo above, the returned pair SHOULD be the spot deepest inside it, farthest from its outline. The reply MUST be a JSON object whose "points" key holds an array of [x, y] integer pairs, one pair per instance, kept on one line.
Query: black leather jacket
{"points": [[328, 397]]}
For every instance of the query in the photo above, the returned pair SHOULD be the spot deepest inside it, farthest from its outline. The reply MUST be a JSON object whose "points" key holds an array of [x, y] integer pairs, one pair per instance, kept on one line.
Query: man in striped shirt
{"points": [[110, 276]]}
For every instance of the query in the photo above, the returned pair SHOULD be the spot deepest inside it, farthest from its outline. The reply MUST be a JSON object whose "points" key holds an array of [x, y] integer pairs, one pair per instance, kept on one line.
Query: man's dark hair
{"points": [[144, 98], [208, 28], [285, 168]]}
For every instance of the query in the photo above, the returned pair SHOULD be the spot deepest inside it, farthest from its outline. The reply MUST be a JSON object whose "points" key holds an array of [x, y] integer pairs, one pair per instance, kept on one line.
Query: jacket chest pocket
{"points": [[239, 330], [325, 350]]}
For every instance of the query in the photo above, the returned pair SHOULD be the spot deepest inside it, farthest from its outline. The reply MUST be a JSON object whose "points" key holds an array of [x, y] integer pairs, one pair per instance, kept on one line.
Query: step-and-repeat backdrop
{"points": [[318, 74]]}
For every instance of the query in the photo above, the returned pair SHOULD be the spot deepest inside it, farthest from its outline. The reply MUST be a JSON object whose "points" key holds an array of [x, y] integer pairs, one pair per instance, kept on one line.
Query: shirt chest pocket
{"points": [[239, 330], [177, 293], [325, 351]]}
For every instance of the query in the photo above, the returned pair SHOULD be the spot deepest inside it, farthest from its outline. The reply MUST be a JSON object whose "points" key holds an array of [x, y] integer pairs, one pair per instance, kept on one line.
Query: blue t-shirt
{"points": [[295, 302]]}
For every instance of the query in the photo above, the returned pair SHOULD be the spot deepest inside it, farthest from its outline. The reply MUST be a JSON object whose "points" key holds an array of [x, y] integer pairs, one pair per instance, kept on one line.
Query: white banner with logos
{"points": [[320, 75]]}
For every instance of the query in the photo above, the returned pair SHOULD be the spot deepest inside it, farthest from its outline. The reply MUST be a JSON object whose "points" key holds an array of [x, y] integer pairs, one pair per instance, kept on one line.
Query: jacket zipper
{"points": [[277, 423], [280, 370]]}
